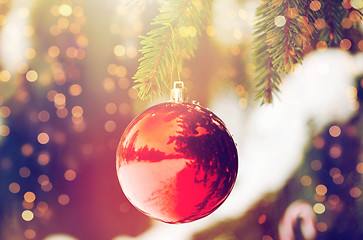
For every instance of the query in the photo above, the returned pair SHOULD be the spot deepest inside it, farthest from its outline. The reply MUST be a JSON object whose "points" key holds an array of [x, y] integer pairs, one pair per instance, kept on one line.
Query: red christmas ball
{"points": [[177, 162]]}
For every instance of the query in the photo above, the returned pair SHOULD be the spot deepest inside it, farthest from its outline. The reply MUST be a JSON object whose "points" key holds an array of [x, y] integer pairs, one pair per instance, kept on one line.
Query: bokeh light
{"points": [[280, 21], [14, 187], [319, 208], [63, 199], [70, 175], [43, 138], [27, 215], [29, 197], [30, 234]]}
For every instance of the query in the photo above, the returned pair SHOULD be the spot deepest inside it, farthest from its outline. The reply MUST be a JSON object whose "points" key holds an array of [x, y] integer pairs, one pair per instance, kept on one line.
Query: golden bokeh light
{"points": [[70, 175], [359, 168], [110, 126], [345, 44], [65, 10], [62, 112], [352, 93], [27, 215], [53, 51], [121, 71], [14, 187], [43, 158], [47, 187], [316, 165], [63, 199], [27, 205], [109, 85], [335, 151], [5, 111], [77, 120], [24, 172], [78, 11], [30, 53], [320, 23], [319, 208], [111, 108], [119, 50], [4, 130], [5, 76], [235, 50], [31, 76], [357, 4], [75, 90], [77, 111], [354, 16], [43, 116], [321, 46], [30, 234], [280, 21], [347, 23], [29, 197], [59, 100], [306, 180], [75, 28], [51, 94], [321, 189], [112, 68], [355, 192], [335, 131], [334, 172], [63, 23], [43, 138], [72, 52], [43, 179], [321, 227], [27, 149], [315, 5]]}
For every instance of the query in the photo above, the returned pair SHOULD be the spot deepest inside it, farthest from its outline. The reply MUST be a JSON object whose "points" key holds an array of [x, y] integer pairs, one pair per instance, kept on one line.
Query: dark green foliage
{"points": [[333, 13], [279, 46]]}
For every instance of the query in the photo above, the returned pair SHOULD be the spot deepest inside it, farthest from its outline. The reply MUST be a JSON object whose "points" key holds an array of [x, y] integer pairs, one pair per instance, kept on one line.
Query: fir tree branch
{"points": [[282, 32], [266, 77], [333, 12], [165, 47]]}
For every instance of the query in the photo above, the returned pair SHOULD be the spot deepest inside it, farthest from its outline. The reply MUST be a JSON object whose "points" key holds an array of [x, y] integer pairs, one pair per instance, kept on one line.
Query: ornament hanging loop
{"points": [[177, 93]]}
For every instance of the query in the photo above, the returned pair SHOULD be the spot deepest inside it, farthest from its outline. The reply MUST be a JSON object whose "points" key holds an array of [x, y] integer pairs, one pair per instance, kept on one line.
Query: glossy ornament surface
{"points": [[176, 162]]}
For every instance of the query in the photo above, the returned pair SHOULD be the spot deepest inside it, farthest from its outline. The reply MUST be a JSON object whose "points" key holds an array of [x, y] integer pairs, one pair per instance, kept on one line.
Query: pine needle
{"points": [[165, 47]]}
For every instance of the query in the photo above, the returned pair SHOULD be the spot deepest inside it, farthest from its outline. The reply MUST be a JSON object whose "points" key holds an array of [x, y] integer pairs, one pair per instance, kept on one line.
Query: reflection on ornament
{"points": [[177, 162]]}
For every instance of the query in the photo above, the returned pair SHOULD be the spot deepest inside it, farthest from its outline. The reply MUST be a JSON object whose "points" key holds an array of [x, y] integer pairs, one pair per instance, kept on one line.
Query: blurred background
{"points": [[66, 96]]}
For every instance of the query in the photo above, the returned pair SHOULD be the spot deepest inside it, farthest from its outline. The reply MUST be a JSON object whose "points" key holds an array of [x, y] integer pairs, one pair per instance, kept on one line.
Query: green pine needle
{"points": [[164, 48], [333, 13], [282, 31]]}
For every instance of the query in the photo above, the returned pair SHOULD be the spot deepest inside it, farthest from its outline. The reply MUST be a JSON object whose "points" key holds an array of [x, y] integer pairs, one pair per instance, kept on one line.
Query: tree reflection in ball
{"points": [[177, 162]]}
